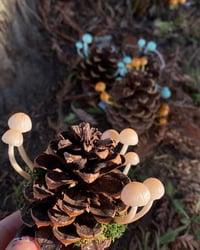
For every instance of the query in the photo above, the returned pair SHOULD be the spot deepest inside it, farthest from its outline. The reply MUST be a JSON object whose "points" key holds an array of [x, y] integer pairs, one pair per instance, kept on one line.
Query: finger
{"points": [[23, 243], [8, 228]]}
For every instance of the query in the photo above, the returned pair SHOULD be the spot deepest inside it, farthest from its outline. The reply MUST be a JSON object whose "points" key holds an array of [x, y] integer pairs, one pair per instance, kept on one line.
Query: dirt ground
{"points": [[38, 56]]}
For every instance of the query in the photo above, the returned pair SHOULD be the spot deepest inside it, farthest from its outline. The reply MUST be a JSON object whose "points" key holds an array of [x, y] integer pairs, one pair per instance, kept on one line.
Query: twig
{"points": [[71, 23]]}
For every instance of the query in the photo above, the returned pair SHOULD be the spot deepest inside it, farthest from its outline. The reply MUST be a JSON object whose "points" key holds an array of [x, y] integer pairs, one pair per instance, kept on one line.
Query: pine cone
{"points": [[136, 102], [152, 68], [100, 66], [76, 185]]}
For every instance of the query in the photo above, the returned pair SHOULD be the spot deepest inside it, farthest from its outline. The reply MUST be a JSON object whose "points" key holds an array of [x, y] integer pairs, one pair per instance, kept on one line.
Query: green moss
{"points": [[111, 231]]}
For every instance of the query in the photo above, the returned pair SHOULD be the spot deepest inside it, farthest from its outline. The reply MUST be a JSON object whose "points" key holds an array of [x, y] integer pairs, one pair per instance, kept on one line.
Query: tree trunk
{"points": [[24, 72]]}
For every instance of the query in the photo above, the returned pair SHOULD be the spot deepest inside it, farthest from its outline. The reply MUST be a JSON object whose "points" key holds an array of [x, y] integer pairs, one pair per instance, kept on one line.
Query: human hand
{"points": [[8, 229]]}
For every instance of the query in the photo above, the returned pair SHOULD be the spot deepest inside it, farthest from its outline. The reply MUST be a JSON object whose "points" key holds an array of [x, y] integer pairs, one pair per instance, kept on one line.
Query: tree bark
{"points": [[25, 75]]}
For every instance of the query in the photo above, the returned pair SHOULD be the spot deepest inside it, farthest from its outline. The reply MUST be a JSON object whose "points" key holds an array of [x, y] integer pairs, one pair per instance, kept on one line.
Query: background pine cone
{"points": [[136, 102], [100, 66], [75, 188]]}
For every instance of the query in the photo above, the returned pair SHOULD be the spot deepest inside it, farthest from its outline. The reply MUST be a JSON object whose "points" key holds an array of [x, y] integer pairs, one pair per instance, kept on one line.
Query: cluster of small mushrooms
{"points": [[135, 194]]}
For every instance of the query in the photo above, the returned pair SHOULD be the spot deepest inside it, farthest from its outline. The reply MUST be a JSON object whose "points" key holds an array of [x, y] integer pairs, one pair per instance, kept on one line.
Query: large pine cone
{"points": [[136, 102], [100, 66], [75, 188]]}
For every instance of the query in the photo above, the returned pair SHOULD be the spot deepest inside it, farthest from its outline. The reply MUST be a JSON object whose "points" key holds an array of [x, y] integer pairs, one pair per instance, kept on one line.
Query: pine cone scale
{"points": [[58, 218]]}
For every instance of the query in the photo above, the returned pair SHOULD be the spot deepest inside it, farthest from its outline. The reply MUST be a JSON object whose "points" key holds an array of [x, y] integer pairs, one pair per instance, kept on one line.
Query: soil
{"points": [[38, 59]]}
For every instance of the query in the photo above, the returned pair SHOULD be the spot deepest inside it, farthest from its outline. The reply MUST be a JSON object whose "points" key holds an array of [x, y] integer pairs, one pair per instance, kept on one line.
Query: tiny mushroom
{"points": [[181, 1], [134, 194], [127, 136], [143, 62], [156, 189], [121, 70], [87, 39], [136, 63], [163, 111], [79, 46], [100, 87], [127, 59], [151, 47], [165, 92], [132, 158], [22, 123], [14, 139], [104, 96], [141, 43], [111, 133]]}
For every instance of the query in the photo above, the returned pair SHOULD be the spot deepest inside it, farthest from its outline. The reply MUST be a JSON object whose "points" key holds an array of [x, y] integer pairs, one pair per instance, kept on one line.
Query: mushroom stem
{"points": [[142, 212], [14, 163], [25, 157], [79, 46], [161, 59], [124, 149], [157, 190], [86, 39], [85, 49], [127, 168], [127, 218]]}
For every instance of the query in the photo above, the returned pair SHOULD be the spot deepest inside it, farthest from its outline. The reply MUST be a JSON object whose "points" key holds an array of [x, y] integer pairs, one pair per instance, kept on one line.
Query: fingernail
{"points": [[24, 242]]}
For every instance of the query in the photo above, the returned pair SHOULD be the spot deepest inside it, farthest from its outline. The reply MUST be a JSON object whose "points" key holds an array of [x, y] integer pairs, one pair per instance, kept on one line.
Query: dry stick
{"points": [[64, 36], [67, 20]]}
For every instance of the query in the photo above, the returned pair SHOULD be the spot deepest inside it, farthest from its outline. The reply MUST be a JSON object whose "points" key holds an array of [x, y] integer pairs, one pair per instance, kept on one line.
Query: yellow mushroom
{"points": [[143, 62], [100, 87], [181, 1], [136, 63], [104, 96], [173, 2], [14, 139]]}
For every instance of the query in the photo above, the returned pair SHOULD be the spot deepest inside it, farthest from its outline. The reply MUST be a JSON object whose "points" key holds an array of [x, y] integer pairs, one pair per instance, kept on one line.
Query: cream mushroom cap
{"points": [[12, 137], [132, 158], [128, 136], [155, 187], [111, 133], [135, 194], [20, 122]]}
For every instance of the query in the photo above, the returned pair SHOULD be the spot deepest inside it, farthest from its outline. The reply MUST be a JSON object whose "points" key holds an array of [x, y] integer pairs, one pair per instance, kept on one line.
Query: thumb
{"points": [[23, 243]]}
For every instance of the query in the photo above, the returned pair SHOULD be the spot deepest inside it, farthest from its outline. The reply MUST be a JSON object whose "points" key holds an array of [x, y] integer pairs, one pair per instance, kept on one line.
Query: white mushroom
{"points": [[111, 133], [22, 123], [132, 158], [134, 194], [14, 139], [127, 137], [156, 189]]}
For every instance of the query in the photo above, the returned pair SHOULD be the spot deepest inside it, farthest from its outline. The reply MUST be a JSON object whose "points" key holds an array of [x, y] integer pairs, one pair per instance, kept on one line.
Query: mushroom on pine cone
{"points": [[99, 66], [75, 187]]}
